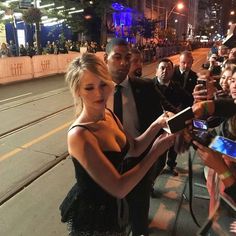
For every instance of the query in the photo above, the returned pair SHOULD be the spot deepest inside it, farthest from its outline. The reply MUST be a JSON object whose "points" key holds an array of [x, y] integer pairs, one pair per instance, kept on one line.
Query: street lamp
{"points": [[179, 6]]}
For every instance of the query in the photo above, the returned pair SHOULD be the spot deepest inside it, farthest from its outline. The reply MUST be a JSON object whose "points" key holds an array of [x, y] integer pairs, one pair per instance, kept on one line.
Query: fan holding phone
{"points": [[205, 88], [223, 164]]}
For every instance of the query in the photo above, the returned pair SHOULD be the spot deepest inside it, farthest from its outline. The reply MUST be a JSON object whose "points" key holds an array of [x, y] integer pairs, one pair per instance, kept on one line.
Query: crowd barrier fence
{"points": [[23, 68]]}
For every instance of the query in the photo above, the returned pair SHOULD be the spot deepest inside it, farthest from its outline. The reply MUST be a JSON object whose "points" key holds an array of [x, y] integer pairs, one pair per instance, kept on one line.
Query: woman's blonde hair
{"points": [[76, 69]]}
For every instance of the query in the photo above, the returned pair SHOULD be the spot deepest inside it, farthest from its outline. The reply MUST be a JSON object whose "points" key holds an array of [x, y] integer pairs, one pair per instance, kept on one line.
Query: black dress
{"points": [[95, 212]]}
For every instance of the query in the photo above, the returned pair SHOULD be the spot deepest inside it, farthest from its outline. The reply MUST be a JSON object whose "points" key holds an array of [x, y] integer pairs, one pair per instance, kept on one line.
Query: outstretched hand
{"points": [[210, 158], [163, 142], [162, 119], [203, 109]]}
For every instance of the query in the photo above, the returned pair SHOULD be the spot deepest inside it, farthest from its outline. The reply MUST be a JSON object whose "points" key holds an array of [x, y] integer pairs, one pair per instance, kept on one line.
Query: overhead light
{"points": [[53, 23], [61, 7], [47, 5], [77, 11]]}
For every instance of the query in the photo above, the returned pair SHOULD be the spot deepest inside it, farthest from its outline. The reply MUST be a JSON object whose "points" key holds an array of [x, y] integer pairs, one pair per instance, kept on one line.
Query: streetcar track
{"points": [[31, 178], [31, 99], [33, 122]]}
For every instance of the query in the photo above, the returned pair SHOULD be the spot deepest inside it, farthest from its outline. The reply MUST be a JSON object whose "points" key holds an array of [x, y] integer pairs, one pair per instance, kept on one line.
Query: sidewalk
{"points": [[169, 213]]}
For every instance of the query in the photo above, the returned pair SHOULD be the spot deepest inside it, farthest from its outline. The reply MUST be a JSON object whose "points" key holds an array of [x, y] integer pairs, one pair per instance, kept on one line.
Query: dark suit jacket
{"points": [[190, 82], [149, 102], [175, 94]]}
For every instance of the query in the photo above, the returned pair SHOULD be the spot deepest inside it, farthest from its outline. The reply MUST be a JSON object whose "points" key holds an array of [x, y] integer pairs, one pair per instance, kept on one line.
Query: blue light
{"points": [[117, 6]]}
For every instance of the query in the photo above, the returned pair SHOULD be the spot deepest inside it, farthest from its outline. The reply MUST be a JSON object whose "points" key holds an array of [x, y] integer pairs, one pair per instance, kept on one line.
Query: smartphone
{"points": [[203, 83], [224, 145], [200, 124]]}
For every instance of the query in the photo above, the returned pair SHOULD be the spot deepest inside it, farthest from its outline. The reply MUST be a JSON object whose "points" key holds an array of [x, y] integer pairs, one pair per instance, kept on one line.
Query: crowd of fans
{"points": [[151, 50], [219, 76]]}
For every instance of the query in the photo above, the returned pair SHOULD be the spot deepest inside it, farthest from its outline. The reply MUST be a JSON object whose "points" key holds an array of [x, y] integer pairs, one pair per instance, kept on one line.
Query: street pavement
{"points": [[170, 211]]}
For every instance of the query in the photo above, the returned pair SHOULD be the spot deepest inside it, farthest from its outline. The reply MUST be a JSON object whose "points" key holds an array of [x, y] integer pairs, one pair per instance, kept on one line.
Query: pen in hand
{"points": [[164, 112]]}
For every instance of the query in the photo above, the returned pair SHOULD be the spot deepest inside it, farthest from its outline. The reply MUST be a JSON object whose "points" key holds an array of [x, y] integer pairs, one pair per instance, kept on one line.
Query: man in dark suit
{"points": [[141, 107], [178, 97], [183, 74]]}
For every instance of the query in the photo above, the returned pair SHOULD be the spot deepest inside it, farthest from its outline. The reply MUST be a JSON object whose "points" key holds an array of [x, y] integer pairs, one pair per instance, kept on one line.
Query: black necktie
{"points": [[183, 79], [117, 108]]}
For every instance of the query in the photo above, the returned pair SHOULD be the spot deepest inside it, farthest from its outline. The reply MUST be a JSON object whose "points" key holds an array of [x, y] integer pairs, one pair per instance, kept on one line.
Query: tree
{"points": [[30, 16], [77, 22], [144, 27]]}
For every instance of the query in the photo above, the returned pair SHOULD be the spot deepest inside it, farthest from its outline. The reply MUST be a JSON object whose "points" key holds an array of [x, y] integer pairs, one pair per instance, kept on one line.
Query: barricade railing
{"points": [[15, 69], [23, 68]]}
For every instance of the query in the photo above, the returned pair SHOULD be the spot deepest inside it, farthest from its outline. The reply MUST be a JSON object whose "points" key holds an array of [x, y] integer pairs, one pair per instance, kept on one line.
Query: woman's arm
{"points": [[83, 146], [220, 107], [140, 144]]}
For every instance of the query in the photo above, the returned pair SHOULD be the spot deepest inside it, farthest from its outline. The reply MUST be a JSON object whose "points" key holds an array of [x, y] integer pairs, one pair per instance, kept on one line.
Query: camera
{"points": [[199, 124], [200, 132]]}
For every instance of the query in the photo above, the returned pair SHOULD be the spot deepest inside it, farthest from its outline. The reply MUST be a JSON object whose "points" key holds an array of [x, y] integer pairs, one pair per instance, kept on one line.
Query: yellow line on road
{"points": [[40, 138]]}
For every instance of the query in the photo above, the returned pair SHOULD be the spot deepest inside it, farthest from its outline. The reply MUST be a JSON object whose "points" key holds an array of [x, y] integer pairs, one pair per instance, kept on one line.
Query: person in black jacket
{"points": [[178, 97], [141, 105], [183, 74]]}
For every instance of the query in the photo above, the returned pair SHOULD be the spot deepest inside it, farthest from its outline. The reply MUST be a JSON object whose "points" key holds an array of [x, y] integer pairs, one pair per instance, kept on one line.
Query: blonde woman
{"points": [[98, 145]]}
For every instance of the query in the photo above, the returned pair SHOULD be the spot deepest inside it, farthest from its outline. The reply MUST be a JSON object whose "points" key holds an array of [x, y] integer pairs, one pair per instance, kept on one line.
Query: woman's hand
{"points": [[162, 119], [163, 142]]}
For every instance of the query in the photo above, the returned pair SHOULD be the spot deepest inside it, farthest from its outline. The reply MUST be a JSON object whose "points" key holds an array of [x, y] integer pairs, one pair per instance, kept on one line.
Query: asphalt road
{"points": [[34, 171]]}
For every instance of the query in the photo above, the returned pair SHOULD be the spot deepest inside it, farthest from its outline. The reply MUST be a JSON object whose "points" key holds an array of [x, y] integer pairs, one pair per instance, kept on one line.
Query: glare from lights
{"points": [[232, 13], [87, 17], [180, 6], [77, 11], [47, 5], [61, 7]]}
